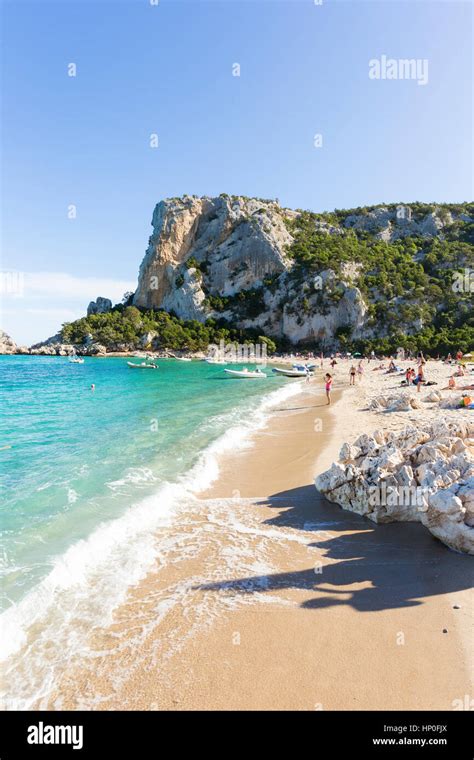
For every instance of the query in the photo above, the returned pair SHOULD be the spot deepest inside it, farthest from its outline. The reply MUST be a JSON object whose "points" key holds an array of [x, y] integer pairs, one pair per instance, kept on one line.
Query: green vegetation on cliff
{"points": [[128, 328], [408, 285]]}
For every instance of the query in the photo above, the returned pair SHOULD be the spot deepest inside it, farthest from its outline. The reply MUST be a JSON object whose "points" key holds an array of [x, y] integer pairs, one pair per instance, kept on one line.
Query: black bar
{"points": [[153, 734]]}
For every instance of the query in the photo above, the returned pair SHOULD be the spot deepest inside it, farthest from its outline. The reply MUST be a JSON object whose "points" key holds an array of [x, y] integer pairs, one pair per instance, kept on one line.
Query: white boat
{"points": [[183, 359], [215, 361], [143, 365], [290, 372], [304, 367], [245, 373], [75, 359]]}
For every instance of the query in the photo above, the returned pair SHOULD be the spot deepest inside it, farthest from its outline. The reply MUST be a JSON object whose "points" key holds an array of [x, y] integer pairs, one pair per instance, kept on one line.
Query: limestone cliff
{"points": [[230, 258], [236, 243]]}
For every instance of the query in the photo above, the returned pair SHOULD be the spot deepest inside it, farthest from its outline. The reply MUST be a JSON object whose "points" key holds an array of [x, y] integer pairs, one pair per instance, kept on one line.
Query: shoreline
{"points": [[292, 602]]}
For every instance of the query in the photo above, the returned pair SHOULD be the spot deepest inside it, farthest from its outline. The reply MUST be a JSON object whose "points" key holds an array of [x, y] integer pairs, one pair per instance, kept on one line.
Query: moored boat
{"points": [[75, 359], [304, 367], [290, 372], [245, 373], [143, 365]]}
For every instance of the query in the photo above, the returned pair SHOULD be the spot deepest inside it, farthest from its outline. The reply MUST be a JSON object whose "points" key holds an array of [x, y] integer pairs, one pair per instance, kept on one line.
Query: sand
{"points": [[273, 598]]}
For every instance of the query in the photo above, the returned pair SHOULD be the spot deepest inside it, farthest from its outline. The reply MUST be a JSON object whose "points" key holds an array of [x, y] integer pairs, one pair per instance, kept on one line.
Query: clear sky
{"points": [[167, 68]]}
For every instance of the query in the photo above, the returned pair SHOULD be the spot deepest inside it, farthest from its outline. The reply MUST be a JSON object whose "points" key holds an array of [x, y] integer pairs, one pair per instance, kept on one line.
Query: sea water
{"points": [[88, 475]]}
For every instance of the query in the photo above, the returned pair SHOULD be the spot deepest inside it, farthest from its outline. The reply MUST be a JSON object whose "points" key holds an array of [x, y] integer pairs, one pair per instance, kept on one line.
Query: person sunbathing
{"points": [[451, 386]]}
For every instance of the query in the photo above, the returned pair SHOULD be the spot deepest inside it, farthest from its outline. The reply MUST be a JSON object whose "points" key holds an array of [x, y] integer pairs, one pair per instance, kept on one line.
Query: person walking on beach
{"points": [[360, 370], [328, 379], [352, 375], [420, 378]]}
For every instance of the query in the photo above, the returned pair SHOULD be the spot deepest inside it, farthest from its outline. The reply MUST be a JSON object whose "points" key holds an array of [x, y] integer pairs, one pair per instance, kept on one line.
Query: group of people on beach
{"points": [[353, 372], [416, 377]]}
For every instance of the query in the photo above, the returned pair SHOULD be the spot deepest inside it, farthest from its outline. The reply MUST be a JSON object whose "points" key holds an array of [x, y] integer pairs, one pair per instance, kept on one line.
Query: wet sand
{"points": [[289, 602]]}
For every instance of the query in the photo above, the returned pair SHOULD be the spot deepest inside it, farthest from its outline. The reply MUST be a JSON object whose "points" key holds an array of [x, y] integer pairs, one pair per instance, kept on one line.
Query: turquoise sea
{"points": [[88, 475]]}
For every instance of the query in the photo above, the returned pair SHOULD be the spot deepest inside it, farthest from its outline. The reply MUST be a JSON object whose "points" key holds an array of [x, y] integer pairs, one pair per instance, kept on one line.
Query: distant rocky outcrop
{"points": [[100, 306], [423, 474], [55, 346], [8, 345]]}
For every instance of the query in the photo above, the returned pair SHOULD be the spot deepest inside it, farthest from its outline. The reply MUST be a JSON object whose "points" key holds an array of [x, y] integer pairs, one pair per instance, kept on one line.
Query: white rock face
{"points": [[420, 474], [238, 241], [187, 300], [321, 324]]}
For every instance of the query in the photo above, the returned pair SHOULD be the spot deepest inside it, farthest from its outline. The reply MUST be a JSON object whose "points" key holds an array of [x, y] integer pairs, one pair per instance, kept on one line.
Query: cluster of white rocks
{"points": [[405, 402], [423, 474], [401, 402]]}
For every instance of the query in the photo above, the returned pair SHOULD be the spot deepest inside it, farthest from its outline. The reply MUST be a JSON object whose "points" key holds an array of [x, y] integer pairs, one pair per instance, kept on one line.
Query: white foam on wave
{"points": [[136, 476], [39, 634]]}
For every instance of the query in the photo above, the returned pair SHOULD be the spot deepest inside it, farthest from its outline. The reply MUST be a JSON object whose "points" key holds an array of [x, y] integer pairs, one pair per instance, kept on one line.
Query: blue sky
{"points": [[167, 69]]}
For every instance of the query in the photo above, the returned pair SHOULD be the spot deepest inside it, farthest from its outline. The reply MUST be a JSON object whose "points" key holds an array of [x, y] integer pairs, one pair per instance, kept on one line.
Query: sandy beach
{"points": [[290, 602]]}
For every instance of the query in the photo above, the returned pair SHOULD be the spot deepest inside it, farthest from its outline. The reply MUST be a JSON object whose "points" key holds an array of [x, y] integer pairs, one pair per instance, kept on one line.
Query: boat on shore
{"points": [[248, 374], [290, 372], [143, 365]]}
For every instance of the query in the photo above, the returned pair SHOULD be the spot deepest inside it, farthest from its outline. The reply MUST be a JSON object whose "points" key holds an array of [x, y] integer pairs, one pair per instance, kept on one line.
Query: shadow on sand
{"points": [[399, 563]]}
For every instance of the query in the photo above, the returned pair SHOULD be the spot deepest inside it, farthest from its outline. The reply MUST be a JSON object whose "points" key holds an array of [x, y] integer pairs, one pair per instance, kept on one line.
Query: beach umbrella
{"points": [[357, 354]]}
